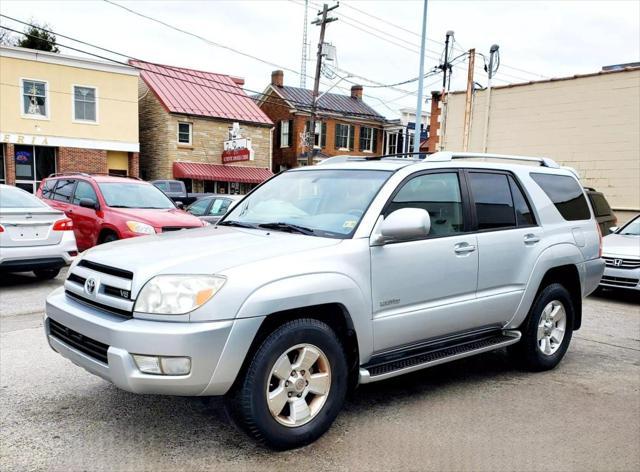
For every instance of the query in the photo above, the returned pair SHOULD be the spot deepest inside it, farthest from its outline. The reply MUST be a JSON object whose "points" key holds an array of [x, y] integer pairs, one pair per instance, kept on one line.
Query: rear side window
{"points": [[175, 187], [164, 186], [524, 216], [566, 194], [492, 196], [219, 207], [47, 188], [600, 205], [63, 190]]}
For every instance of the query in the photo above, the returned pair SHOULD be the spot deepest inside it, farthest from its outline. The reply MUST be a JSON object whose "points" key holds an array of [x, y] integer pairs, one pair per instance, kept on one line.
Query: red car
{"points": [[105, 208]]}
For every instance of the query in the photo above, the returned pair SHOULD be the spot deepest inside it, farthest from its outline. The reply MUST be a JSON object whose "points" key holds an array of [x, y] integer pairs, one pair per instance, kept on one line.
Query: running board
{"points": [[429, 358]]}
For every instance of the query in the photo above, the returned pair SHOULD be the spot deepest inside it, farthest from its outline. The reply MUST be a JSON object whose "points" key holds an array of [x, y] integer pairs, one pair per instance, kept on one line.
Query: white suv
{"points": [[324, 277]]}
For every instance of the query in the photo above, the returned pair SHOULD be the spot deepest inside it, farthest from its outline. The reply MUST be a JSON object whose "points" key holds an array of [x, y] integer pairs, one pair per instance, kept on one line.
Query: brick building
{"points": [[201, 128], [345, 124], [63, 113]]}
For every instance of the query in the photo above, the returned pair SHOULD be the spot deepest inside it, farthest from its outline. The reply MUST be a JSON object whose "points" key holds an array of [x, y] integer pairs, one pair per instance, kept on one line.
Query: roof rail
{"points": [[346, 158], [59, 174], [445, 156], [85, 174]]}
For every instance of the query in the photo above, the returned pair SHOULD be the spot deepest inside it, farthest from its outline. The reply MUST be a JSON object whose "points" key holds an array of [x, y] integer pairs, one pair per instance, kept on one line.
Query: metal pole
{"points": [[492, 52], [469, 98], [418, 127]]}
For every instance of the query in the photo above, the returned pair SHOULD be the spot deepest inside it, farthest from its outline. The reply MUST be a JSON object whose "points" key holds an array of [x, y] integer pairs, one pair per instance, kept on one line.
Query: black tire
{"points": [[247, 403], [109, 237], [527, 353], [46, 274]]}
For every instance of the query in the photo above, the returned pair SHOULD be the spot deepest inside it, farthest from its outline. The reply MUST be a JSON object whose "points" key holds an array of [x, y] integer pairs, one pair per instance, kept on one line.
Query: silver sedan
{"points": [[33, 236], [621, 253]]}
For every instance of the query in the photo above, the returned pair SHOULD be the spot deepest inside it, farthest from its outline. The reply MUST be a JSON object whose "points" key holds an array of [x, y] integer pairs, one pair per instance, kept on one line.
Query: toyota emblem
{"points": [[90, 286]]}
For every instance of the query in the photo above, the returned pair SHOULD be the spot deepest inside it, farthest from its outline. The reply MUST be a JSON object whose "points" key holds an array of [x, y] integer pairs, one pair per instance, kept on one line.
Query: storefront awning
{"points": [[220, 173]]}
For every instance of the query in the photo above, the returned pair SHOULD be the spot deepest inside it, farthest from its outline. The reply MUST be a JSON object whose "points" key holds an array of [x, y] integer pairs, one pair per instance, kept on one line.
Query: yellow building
{"points": [[62, 113]]}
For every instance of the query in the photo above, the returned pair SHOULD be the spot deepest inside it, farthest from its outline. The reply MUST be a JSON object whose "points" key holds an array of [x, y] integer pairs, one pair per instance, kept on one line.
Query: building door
{"points": [[32, 164]]}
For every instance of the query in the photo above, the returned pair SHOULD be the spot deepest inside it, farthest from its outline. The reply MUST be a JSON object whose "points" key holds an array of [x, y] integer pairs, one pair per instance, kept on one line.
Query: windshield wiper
{"points": [[239, 224], [120, 206], [288, 227]]}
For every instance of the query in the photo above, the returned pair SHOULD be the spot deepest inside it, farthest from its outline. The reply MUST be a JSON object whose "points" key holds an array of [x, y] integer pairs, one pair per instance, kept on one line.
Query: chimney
{"points": [[356, 92], [277, 78]]}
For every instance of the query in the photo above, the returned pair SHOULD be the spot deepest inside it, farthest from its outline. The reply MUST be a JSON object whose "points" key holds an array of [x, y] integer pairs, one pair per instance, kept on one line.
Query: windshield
{"points": [[632, 228], [325, 203], [12, 197], [134, 195]]}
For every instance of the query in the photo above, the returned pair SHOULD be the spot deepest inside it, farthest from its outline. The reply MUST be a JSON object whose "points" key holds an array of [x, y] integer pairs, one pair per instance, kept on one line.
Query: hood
{"points": [[207, 250], [621, 245], [159, 217]]}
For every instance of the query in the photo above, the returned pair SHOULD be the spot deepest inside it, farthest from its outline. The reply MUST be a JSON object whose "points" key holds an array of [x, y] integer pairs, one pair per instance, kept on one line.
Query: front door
{"points": [[86, 223], [425, 289]]}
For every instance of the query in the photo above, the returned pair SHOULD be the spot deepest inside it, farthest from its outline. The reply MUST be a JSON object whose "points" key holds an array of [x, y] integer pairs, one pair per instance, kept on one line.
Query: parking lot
{"points": [[477, 414]]}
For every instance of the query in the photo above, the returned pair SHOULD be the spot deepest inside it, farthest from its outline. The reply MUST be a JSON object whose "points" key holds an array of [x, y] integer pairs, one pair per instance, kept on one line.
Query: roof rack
{"points": [[85, 174], [445, 156], [346, 158]]}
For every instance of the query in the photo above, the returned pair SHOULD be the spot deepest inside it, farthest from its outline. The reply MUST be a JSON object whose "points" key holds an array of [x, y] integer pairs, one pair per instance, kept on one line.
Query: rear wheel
{"points": [[547, 332], [46, 274], [294, 387]]}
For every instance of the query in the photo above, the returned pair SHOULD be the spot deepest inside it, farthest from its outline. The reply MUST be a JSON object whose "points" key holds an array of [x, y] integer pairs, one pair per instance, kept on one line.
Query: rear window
{"points": [[600, 205], [13, 197], [566, 194]]}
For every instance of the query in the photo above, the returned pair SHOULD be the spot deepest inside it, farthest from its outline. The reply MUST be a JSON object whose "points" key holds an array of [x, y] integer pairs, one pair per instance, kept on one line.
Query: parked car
{"points": [[621, 253], [33, 236], [603, 212], [213, 207], [326, 276], [106, 208], [176, 190]]}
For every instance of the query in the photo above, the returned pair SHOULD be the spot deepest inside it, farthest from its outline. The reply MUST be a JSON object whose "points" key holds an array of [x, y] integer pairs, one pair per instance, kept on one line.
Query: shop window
{"points": [[32, 164], [85, 103], [184, 133], [35, 98]]}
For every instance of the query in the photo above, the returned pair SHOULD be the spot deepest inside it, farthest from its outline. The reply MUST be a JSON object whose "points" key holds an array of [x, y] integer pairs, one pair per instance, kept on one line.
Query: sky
{"points": [[377, 41]]}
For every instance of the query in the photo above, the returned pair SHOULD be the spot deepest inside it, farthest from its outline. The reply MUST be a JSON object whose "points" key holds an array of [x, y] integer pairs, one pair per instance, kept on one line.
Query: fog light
{"points": [[163, 365]]}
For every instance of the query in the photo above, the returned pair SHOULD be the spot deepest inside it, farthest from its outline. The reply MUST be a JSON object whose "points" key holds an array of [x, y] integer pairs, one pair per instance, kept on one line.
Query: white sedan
{"points": [[33, 236]]}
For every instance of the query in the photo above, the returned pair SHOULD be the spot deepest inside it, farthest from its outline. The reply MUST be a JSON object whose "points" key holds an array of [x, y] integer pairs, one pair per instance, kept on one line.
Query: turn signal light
{"points": [[63, 225]]}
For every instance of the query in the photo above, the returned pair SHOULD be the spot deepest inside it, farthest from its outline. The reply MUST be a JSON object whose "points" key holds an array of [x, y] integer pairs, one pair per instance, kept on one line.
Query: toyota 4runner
{"points": [[330, 276]]}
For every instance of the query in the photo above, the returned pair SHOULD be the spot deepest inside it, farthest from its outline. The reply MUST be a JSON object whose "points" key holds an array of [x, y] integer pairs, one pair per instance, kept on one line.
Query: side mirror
{"points": [[180, 205], [405, 224], [613, 229], [89, 203]]}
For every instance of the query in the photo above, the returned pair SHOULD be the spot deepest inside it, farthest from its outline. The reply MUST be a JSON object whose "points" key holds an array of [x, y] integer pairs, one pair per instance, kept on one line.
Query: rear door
{"points": [[509, 241], [86, 223], [61, 195]]}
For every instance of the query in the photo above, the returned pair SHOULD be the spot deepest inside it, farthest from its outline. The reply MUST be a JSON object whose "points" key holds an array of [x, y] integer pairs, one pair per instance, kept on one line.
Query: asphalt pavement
{"points": [[476, 414]]}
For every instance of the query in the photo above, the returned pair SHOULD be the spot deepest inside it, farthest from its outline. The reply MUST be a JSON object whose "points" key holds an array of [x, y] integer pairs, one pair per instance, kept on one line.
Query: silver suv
{"points": [[345, 273]]}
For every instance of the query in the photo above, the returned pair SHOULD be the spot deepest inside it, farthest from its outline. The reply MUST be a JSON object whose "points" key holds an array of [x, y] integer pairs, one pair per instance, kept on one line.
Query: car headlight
{"points": [[140, 228], [177, 294]]}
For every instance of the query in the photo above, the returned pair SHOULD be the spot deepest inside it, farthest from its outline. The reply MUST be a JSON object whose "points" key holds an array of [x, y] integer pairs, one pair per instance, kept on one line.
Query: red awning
{"points": [[221, 173]]}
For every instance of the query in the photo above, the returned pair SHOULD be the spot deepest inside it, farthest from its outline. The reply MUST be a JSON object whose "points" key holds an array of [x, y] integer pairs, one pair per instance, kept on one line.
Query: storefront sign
{"points": [[24, 139], [236, 148], [59, 141]]}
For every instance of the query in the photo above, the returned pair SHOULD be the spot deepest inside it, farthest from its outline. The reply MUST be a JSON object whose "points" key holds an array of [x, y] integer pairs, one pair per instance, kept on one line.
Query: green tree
{"points": [[35, 37]]}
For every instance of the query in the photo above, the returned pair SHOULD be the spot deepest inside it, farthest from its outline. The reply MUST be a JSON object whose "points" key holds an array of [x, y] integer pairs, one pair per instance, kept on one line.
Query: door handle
{"points": [[531, 239], [463, 248]]}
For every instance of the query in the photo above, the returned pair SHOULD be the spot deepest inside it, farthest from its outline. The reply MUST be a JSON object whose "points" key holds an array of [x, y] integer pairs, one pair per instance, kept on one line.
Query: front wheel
{"points": [[547, 332], [294, 387]]}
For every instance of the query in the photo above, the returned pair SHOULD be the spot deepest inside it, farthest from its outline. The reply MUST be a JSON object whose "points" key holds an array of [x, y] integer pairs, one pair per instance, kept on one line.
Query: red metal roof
{"points": [[195, 92], [221, 173]]}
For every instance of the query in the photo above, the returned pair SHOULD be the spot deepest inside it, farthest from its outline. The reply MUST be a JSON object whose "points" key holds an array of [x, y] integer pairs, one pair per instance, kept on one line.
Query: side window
{"points": [[47, 188], [439, 194], [175, 187], [199, 207], [162, 185], [566, 194], [524, 216], [84, 190], [219, 207], [63, 190], [492, 196]]}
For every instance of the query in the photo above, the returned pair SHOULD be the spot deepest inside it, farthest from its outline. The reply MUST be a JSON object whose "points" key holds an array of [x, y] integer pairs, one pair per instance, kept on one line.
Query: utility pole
{"points": [[322, 21], [469, 98], [417, 132], [303, 62], [494, 63], [446, 79]]}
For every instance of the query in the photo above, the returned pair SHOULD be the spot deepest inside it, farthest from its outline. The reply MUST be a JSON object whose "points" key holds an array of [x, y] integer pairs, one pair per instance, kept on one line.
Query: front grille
{"points": [[619, 263], [102, 306], [76, 278], [125, 274], [113, 291], [619, 281], [80, 342]]}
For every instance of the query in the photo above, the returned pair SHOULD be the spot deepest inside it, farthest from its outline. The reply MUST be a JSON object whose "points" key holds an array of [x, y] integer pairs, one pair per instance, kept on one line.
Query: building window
{"points": [[320, 134], [34, 99], [32, 164], [392, 143], [85, 104], [184, 133], [285, 133], [368, 139], [344, 136]]}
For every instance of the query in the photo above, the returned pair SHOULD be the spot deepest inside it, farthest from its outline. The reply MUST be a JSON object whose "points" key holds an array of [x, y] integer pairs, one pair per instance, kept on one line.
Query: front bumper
{"points": [[216, 348], [621, 278]]}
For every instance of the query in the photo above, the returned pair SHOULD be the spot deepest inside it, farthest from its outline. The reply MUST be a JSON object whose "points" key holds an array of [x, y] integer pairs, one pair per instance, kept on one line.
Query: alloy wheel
{"points": [[551, 327]]}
